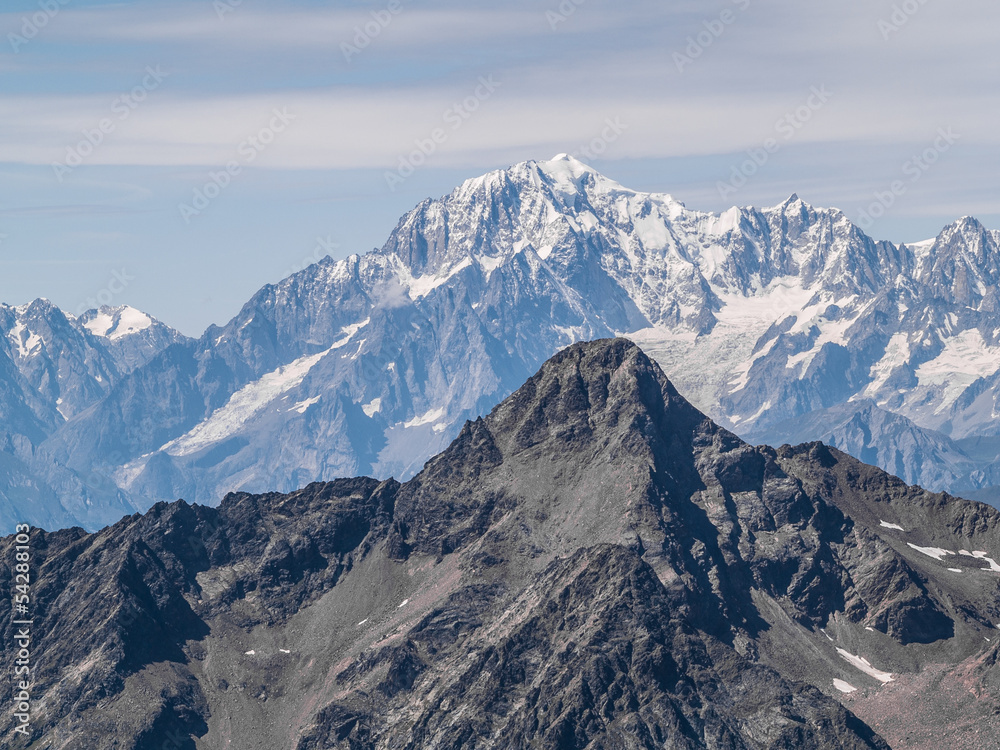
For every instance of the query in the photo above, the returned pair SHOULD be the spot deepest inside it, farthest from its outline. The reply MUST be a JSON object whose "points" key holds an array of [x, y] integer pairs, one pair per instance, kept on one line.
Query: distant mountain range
{"points": [[786, 324], [595, 564], [53, 367]]}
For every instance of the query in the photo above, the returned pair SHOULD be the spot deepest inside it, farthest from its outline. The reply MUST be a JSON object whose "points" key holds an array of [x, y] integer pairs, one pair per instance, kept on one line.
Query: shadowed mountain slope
{"points": [[595, 564]]}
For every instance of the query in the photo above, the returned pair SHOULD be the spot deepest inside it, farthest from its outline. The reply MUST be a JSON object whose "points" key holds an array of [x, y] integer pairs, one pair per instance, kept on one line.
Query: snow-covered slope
{"points": [[370, 364], [53, 367], [130, 336], [73, 362]]}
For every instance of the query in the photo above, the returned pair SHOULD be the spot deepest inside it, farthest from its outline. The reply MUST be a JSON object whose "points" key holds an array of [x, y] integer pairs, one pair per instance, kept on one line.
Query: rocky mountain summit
{"points": [[371, 364], [53, 368], [595, 564], [786, 320]]}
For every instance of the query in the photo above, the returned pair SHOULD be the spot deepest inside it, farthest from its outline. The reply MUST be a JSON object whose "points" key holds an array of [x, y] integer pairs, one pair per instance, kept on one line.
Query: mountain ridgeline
{"points": [[595, 564], [54, 367], [780, 321]]}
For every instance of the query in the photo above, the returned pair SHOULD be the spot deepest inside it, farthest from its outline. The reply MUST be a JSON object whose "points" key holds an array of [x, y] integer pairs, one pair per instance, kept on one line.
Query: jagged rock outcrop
{"points": [[766, 319], [593, 564]]}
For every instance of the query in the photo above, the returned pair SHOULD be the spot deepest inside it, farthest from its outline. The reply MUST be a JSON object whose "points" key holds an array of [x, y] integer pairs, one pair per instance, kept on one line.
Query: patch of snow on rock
{"points": [[865, 666], [130, 321], [242, 406], [936, 552], [302, 406], [844, 687], [372, 408], [427, 418]]}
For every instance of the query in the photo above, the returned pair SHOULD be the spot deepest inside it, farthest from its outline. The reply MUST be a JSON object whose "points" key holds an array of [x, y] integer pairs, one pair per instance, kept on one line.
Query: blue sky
{"points": [[140, 103]]}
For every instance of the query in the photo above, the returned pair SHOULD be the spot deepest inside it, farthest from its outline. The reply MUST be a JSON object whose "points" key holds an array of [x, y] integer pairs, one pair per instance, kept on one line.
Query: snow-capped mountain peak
{"points": [[962, 265], [759, 315], [115, 322]]}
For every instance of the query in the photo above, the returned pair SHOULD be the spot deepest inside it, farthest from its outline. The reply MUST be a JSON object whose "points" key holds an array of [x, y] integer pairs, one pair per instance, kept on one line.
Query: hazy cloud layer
{"points": [[167, 92], [729, 86]]}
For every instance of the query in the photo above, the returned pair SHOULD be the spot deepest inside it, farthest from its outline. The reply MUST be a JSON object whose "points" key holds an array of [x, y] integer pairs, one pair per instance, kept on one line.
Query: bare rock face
{"points": [[53, 367], [595, 564], [781, 323]]}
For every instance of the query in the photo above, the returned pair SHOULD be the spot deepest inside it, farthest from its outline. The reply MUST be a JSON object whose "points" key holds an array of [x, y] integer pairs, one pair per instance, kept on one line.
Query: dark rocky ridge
{"points": [[593, 565], [762, 317]]}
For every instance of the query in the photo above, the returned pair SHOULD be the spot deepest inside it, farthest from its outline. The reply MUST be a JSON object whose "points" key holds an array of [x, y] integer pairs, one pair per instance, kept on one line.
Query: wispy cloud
{"points": [[357, 118], [558, 84]]}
